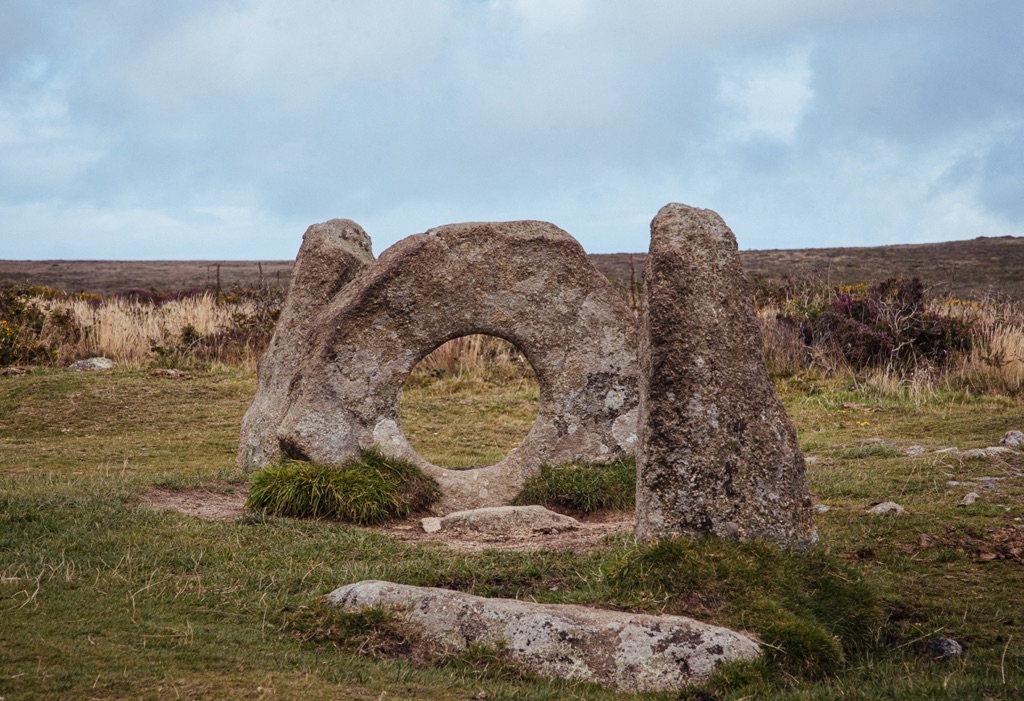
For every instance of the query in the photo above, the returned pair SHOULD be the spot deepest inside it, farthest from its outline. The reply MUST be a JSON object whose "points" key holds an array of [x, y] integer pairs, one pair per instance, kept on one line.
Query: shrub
{"points": [[368, 489], [810, 607], [583, 486], [21, 324]]}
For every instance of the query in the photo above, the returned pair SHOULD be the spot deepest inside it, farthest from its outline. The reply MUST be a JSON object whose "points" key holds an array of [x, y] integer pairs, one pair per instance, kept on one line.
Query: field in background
{"points": [[982, 267]]}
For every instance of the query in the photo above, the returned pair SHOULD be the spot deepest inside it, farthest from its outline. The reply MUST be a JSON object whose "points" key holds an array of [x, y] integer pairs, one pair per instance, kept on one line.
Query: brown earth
{"points": [[223, 501], [964, 269]]}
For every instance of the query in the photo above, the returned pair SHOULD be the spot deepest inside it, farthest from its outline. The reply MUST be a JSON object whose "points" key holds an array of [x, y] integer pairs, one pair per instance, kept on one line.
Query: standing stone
{"points": [[717, 454], [332, 255]]}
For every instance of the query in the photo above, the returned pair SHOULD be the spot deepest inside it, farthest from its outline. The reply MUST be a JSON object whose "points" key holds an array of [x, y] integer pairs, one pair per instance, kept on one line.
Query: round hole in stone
{"points": [[470, 402]]}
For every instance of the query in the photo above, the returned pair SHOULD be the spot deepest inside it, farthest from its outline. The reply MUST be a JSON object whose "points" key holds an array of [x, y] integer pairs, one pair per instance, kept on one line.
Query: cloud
{"points": [[228, 126]]}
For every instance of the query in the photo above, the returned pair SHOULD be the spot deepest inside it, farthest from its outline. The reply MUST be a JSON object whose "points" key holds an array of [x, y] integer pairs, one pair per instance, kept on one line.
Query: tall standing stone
{"points": [[332, 254], [717, 454]]}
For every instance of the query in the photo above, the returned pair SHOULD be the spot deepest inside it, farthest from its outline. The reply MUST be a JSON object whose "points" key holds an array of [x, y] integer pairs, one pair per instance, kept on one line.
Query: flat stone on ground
{"points": [[508, 519], [628, 652]]}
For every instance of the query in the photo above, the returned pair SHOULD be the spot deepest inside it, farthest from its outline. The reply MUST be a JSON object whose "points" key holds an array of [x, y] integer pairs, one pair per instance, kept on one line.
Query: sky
{"points": [[221, 129]]}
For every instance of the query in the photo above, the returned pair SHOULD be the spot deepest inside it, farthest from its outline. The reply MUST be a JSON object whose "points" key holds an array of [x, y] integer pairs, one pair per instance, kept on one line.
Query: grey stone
{"points": [[1013, 439], [431, 524], [92, 364], [940, 647], [821, 508], [628, 652], [332, 254], [717, 453], [887, 508], [968, 499], [914, 450], [528, 282], [990, 452], [508, 520]]}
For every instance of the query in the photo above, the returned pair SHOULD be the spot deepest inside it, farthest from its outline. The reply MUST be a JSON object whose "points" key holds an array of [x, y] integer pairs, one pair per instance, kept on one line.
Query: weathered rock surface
{"points": [[990, 452], [630, 652], [332, 254], [528, 282], [942, 648], [1013, 439], [508, 520], [968, 499], [717, 453], [92, 364], [887, 508]]}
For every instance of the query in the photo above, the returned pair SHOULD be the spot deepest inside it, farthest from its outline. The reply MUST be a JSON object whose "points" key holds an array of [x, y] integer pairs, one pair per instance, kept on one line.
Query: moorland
{"points": [[106, 593]]}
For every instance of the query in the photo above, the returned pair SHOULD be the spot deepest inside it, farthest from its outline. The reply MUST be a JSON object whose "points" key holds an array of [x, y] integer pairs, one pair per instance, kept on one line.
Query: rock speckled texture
{"points": [[339, 385], [717, 454], [508, 520], [629, 652], [331, 256]]}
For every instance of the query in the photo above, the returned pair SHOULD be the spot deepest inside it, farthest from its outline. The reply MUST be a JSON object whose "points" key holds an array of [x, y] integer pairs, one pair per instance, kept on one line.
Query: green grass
{"points": [[468, 420], [368, 489], [101, 597], [583, 486]]}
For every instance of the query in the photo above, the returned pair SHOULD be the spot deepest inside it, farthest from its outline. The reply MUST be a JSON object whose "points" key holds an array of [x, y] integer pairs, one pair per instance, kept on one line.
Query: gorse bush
{"points": [[367, 489], [583, 486], [21, 325]]}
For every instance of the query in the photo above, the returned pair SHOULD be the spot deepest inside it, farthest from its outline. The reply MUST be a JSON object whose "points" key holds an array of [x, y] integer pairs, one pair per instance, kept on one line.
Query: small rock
{"points": [[954, 451], [811, 459], [92, 364], [969, 499], [974, 453], [1013, 439], [821, 509], [14, 370], [887, 508], [914, 450], [953, 483], [940, 647], [431, 525], [997, 450]]}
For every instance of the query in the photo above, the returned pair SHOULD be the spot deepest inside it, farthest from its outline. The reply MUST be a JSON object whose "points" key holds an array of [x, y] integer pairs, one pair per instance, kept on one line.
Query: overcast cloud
{"points": [[202, 129]]}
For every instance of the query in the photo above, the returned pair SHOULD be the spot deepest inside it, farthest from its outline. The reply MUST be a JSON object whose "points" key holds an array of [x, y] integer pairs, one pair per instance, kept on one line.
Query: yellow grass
{"points": [[127, 332]]}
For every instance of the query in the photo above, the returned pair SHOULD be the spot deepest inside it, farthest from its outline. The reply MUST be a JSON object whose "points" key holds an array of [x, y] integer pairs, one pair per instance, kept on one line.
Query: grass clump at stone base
{"points": [[367, 489], [811, 609], [583, 486]]}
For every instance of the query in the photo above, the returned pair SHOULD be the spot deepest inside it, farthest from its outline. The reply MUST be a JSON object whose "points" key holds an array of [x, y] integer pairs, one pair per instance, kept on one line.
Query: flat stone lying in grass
{"points": [[629, 652], [507, 520], [887, 508], [92, 364]]}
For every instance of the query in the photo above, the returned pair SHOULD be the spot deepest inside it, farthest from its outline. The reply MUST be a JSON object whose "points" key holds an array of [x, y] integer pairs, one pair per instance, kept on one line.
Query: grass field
{"points": [[101, 597]]}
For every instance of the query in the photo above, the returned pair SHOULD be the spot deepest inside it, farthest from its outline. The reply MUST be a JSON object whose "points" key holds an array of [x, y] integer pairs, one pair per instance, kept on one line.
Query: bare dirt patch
{"points": [[220, 501], [223, 501]]}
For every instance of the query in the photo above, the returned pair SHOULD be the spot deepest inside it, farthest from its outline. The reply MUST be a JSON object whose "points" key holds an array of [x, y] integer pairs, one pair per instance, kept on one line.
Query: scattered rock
{"points": [[1013, 439], [508, 520], [821, 509], [914, 450], [954, 451], [431, 524], [887, 508], [628, 652], [811, 459], [940, 647], [717, 454], [968, 499], [171, 374], [990, 452], [92, 364], [14, 370]]}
